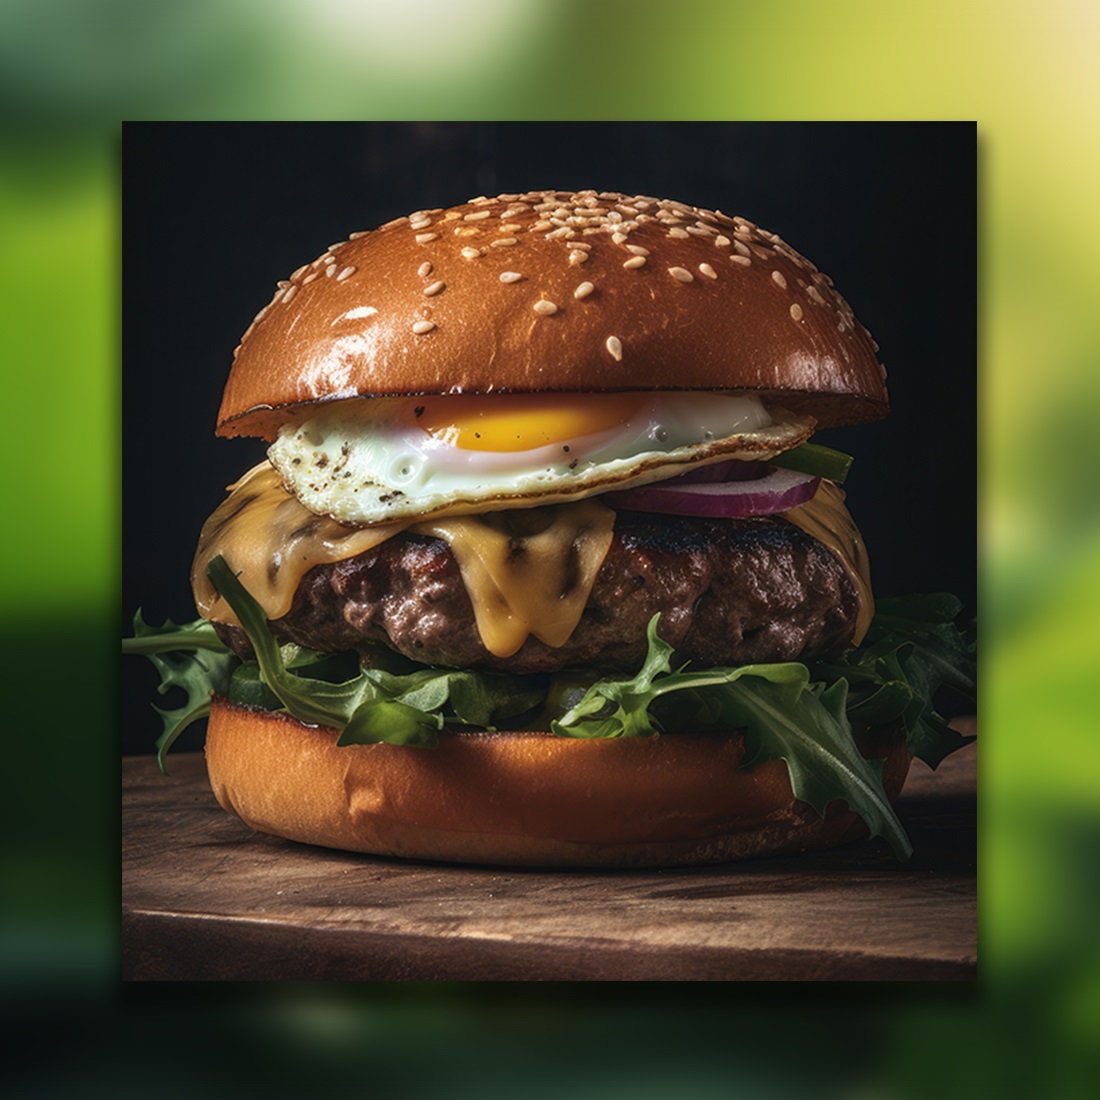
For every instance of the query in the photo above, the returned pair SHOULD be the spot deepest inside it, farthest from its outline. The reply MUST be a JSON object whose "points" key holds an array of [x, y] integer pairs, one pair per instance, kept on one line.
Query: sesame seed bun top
{"points": [[550, 290]]}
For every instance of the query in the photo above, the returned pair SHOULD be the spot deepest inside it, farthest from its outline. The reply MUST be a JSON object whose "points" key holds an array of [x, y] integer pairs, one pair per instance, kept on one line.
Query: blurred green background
{"points": [[71, 70]]}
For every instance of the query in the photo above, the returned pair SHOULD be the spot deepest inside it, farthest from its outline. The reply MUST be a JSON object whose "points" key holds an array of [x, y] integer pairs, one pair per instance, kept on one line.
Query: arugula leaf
{"points": [[191, 657], [378, 720], [784, 716], [374, 705], [802, 716], [912, 650]]}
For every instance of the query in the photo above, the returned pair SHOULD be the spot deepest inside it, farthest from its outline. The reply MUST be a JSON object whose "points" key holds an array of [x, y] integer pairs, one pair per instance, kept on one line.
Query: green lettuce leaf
{"points": [[801, 715], [783, 715], [190, 657], [912, 651], [374, 705]]}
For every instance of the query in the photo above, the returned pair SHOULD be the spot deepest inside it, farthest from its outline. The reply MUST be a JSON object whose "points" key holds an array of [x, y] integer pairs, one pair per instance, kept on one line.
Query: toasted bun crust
{"points": [[520, 798], [567, 291]]}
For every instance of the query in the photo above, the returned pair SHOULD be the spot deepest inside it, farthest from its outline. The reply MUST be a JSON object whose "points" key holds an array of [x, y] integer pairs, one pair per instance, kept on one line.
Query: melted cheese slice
{"points": [[271, 541], [826, 519], [526, 572]]}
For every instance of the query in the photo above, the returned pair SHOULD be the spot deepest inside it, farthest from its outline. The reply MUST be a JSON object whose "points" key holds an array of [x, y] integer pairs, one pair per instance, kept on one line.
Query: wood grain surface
{"points": [[206, 899]]}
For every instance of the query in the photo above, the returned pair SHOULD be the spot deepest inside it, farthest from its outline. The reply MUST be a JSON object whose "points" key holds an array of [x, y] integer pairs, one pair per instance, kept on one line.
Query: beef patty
{"points": [[728, 592]]}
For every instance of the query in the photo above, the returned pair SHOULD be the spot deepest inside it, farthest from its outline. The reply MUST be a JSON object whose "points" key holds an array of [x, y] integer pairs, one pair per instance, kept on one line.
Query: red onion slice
{"points": [[776, 492], [733, 469]]}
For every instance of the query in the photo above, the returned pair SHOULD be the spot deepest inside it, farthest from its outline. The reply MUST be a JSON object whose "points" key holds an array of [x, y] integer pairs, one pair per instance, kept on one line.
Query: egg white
{"points": [[368, 461]]}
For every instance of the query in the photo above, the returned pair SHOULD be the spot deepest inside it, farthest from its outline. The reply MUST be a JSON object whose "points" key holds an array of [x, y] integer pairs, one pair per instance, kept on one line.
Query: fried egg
{"points": [[374, 461]]}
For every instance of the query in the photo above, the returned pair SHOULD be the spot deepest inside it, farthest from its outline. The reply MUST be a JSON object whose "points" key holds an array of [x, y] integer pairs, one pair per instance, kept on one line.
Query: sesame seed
{"points": [[476, 217], [420, 223], [510, 276], [796, 311], [634, 263], [615, 346], [744, 261], [424, 270], [465, 231], [309, 278], [434, 289], [300, 271], [505, 242], [815, 294], [330, 270], [777, 278], [422, 327], [540, 225], [637, 249], [345, 274], [423, 238], [581, 245], [721, 242], [618, 237], [290, 292], [471, 253], [545, 307], [360, 233], [561, 231], [583, 290], [511, 227], [678, 233], [682, 274], [577, 256], [282, 284], [708, 271]]}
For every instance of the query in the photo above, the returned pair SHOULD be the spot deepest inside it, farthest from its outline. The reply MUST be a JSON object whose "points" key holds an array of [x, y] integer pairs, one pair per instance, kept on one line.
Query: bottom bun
{"points": [[524, 799]]}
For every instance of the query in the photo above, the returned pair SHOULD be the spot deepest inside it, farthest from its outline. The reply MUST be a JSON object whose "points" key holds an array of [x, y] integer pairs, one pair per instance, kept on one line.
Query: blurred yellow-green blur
{"points": [[72, 69]]}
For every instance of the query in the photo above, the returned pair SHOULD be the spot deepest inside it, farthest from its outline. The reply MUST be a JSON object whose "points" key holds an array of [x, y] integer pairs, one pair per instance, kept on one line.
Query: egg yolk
{"points": [[522, 422]]}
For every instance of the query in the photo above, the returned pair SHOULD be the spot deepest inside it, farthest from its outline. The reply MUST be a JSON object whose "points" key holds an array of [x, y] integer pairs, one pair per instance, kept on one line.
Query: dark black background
{"points": [[214, 214]]}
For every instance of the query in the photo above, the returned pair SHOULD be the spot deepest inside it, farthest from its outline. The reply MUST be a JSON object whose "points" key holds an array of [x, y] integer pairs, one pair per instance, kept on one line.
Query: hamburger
{"points": [[542, 568]]}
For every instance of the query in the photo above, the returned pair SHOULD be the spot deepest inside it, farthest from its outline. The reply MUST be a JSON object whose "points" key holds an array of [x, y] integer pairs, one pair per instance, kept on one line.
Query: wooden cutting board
{"points": [[206, 899]]}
